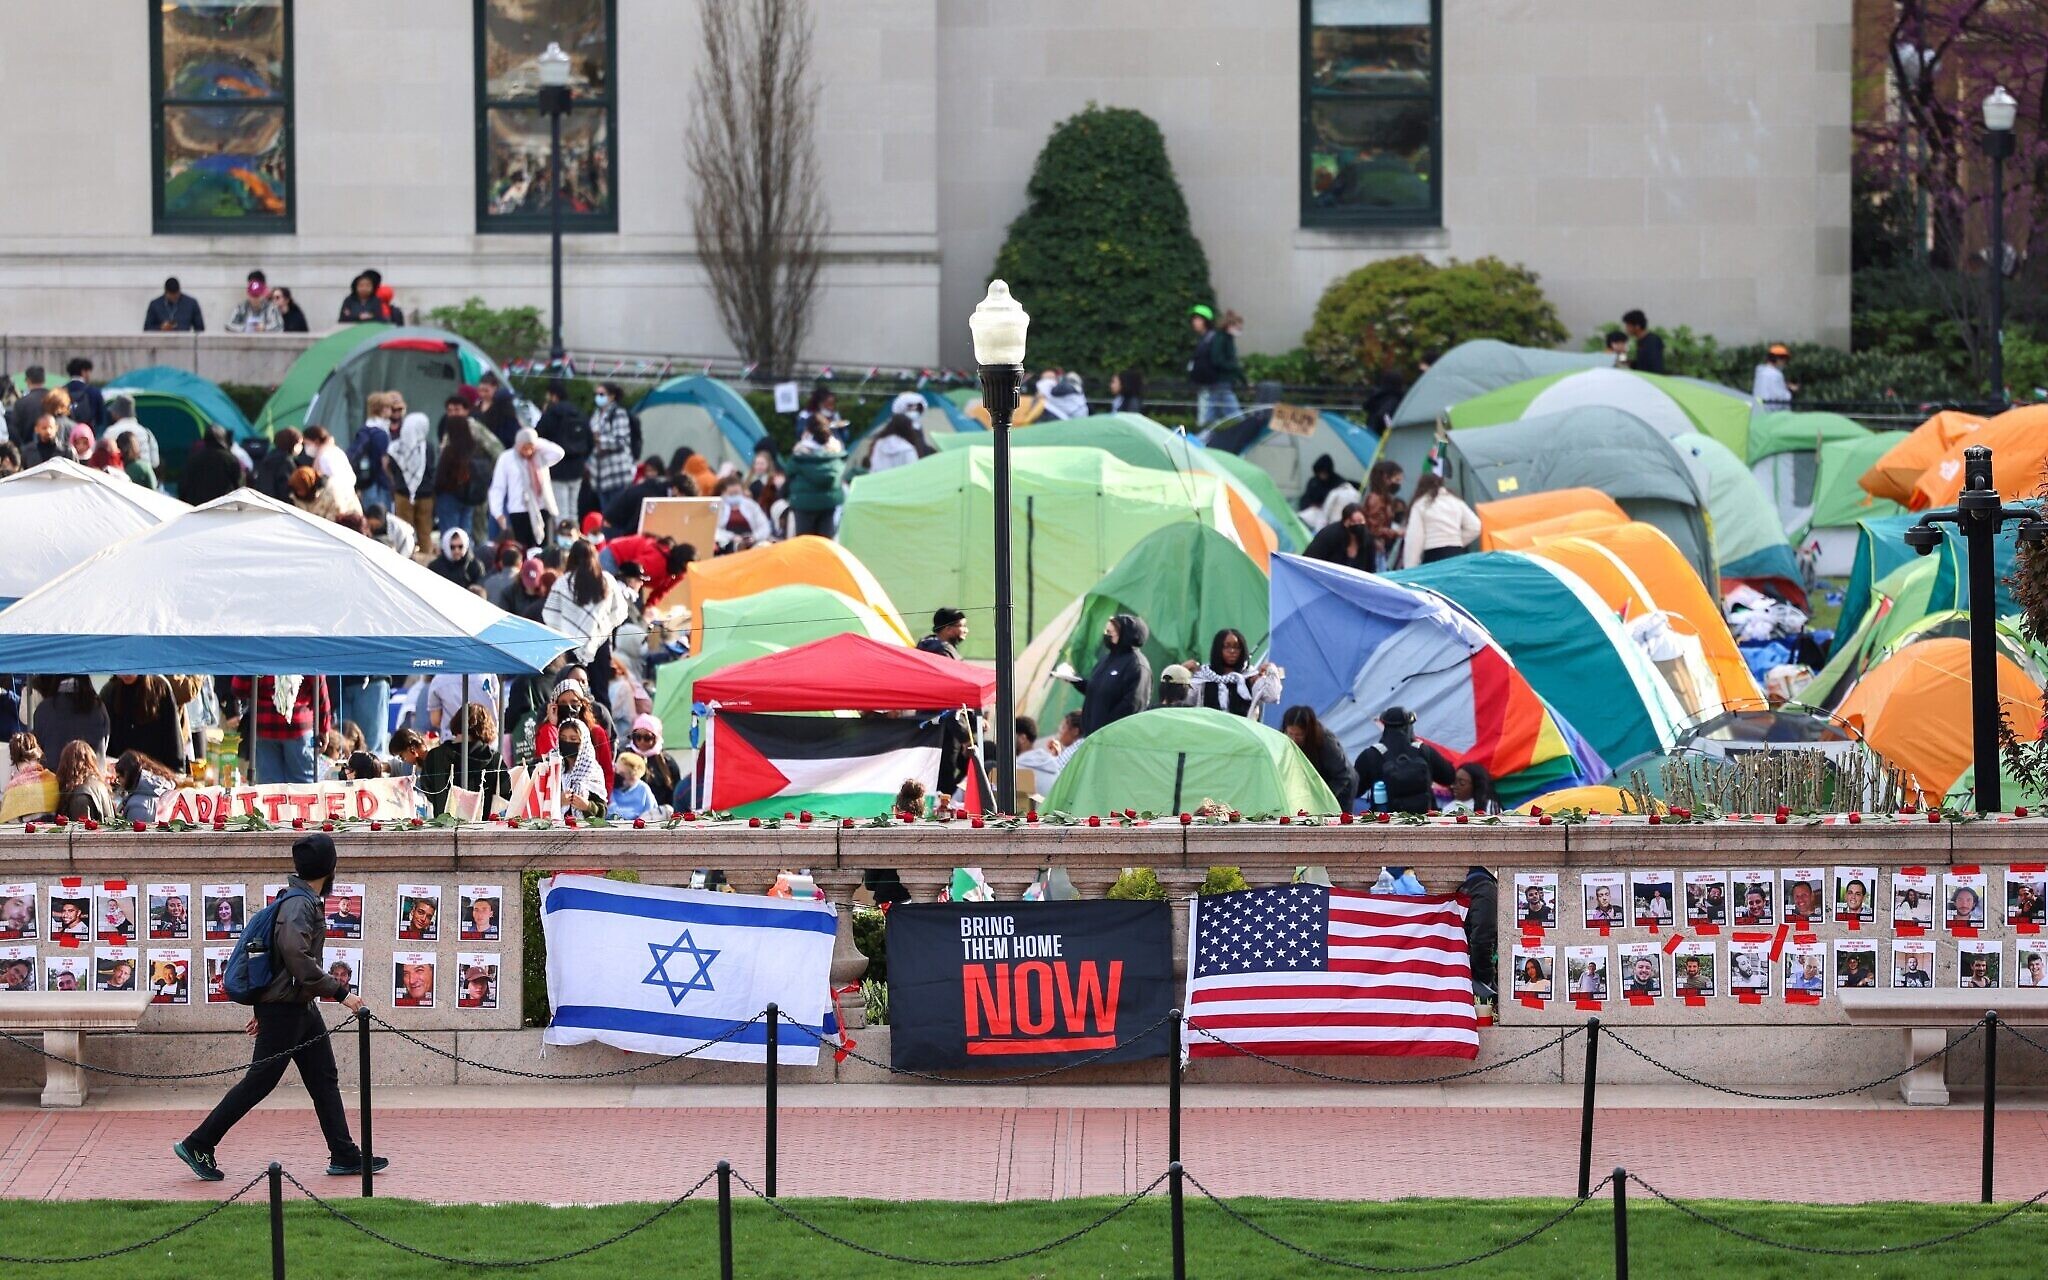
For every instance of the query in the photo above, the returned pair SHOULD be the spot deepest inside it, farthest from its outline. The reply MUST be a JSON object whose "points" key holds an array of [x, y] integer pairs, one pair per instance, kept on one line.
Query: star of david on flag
{"points": [[654, 969]]}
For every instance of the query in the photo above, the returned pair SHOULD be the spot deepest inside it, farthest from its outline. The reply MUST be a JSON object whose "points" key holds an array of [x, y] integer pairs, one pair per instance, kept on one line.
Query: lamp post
{"points": [[1979, 515], [554, 99], [2001, 109], [998, 325], [1915, 64]]}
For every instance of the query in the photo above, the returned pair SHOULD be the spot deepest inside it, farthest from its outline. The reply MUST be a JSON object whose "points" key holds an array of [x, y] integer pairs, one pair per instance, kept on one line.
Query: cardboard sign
{"points": [[1295, 420], [378, 799], [788, 397], [687, 520]]}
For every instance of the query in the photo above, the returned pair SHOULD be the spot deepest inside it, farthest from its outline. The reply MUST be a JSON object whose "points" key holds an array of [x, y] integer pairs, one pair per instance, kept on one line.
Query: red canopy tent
{"points": [[847, 673]]}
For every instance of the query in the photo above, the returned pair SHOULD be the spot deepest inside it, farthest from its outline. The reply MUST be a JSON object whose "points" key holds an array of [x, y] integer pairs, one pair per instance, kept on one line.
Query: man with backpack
{"points": [[278, 966], [1405, 766], [562, 423]]}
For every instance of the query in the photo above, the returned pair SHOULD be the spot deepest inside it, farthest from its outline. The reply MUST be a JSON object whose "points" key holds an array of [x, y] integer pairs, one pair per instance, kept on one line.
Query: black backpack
{"points": [[1405, 771]]}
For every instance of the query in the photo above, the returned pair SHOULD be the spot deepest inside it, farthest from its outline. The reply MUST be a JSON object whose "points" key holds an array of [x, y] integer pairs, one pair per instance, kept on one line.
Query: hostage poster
{"points": [[1029, 984]]}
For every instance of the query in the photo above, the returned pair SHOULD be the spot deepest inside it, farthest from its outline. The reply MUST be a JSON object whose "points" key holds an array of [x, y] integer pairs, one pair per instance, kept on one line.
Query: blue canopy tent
{"points": [[247, 585], [703, 414]]}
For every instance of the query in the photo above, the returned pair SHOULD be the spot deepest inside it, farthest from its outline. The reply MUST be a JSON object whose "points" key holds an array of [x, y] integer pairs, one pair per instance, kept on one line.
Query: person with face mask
{"points": [[611, 457], [1121, 683], [455, 563]]}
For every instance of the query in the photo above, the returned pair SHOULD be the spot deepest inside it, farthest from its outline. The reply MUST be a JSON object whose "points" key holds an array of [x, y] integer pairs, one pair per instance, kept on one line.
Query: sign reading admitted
{"points": [[1029, 984]]}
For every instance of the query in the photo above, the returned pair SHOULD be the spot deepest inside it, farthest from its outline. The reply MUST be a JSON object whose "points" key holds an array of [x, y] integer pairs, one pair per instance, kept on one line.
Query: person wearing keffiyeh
{"points": [[522, 498], [583, 784]]}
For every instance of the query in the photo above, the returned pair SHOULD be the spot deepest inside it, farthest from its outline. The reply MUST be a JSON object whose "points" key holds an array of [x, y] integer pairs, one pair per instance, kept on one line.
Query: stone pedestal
{"points": [[1926, 1085], [63, 1083]]}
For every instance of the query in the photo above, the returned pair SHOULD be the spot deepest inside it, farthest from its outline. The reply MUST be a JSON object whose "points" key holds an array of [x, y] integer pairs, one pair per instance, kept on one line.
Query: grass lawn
{"points": [[235, 1243]]}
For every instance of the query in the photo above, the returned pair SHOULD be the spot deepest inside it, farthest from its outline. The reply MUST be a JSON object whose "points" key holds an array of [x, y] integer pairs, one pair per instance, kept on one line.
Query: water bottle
{"points": [[1385, 884], [1379, 797]]}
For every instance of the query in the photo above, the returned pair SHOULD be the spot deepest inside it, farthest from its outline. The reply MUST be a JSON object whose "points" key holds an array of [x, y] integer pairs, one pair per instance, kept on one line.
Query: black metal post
{"points": [[1173, 1095], [276, 1221], [1586, 1109], [999, 384], [1998, 144], [774, 1035], [363, 1086], [724, 1220], [1990, 1096], [1980, 514], [1620, 1224], [1174, 1175], [555, 101]]}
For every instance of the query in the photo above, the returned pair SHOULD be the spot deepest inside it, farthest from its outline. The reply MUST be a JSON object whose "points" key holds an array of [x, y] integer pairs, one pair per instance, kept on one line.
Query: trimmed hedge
{"points": [[1388, 315]]}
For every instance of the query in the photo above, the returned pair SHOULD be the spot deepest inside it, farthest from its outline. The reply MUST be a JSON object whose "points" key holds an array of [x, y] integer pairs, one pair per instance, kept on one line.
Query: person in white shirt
{"points": [[1440, 525], [122, 410], [741, 522], [1770, 391], [896, 445], [1047, 758], [522, 499], [331, 461]]}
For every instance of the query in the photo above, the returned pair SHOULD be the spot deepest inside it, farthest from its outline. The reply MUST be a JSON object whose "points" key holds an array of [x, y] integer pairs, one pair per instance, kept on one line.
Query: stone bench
{"points": [[63, 1018], [1927, 1015]]}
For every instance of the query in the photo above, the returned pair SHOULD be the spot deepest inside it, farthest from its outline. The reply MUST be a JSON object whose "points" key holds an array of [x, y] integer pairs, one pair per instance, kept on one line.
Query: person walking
{"points": [[287, 1024], [1121, 683], [817, 480], [611, 431], [409, 474], [174, 312], [500, 411], [1649, 353], [461, 477], [1440, 524], [564, 425], [1213, 369], [1769, 390], [522, 496]]}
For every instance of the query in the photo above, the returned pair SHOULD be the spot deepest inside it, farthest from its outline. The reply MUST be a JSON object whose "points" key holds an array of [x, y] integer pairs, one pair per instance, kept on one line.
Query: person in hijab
{"points": [[584, 789], [1121, 683], [663, 778], [455, 562], [81, 442], [898, 445], [571, 705], [1229, 682], [409, 474], [213, 470]]}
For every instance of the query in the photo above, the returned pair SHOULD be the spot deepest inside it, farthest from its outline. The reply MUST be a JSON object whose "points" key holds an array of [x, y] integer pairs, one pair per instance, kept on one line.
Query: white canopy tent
{"points": [[58, 513]]}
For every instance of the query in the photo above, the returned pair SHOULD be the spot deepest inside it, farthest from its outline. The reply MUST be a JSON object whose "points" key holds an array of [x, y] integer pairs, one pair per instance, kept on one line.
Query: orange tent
{"points": [[1536, 508], [1522, 537], [1634, 568], [807, 560], [1914, 710], [1894, 474], [2018, 440]]}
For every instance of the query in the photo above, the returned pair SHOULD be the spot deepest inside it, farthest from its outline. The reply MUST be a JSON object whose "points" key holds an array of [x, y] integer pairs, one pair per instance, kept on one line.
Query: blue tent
{"points": [[1289, 458], [1881, 547], [163, 379], [705, 415]]}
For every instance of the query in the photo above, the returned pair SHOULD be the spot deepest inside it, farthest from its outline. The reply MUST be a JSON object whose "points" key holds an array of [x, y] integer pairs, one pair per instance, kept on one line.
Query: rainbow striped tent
{"points": [[1353, 644]]}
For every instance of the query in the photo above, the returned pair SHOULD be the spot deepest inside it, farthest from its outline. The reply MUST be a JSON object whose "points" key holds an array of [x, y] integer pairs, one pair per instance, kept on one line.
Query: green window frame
{"points": [[512, 130], [232, 84], [1371, 113]]}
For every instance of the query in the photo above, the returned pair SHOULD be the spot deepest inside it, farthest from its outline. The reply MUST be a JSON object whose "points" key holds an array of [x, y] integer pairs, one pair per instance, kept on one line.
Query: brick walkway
{"points": [[611, 1153]]}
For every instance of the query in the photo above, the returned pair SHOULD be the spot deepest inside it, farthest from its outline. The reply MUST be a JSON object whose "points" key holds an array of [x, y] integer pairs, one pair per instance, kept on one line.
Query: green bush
{"points": [[249, 397], [2026, 365], [1823, 373], [1390, 314], [1222, 880], [1103, 256], [1139, 884], [1298, 368], [871, 939], [533, 958], [505, 333]]}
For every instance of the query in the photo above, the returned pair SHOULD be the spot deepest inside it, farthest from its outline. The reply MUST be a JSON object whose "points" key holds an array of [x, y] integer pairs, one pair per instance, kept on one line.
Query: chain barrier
{"points": [[156, 1239], [1469, 1072], [1690, 1078], [908, 1260], [930, 1077], [502, 1263], [1875, 1252], [1417, 1269], [452, 1056], [2022, 1036], [235, 1070]]}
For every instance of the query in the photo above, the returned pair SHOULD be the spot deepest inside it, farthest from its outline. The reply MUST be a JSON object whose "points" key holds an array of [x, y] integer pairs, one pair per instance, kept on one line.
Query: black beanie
{"points": [[313, 856]]}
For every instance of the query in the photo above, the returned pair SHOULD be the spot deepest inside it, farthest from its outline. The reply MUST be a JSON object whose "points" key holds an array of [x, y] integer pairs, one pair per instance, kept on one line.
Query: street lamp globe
{"points": [[1914, 62], [2001, 110], [554, 67], [998, 324]]}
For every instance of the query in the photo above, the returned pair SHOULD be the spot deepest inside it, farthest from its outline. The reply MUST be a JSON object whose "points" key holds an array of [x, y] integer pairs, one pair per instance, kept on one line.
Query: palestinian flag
{"points": [[766, 765]]}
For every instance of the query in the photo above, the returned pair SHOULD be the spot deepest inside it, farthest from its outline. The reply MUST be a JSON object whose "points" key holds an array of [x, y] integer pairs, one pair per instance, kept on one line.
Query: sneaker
{"points": [[354, 1168], [199, 1162]]}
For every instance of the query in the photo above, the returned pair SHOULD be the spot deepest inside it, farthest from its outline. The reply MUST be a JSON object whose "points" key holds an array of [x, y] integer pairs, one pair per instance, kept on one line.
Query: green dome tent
{"points": [[1172, 759], [1748, 541], [790, 616], [704, 414], [1187, 582], [1593, 447], [1784, 456], [926, 531], [288, 404], [424, 365]]}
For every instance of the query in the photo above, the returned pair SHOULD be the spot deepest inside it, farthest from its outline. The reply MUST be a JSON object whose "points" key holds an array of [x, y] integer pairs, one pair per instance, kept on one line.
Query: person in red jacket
{"points": [[661, 556]]}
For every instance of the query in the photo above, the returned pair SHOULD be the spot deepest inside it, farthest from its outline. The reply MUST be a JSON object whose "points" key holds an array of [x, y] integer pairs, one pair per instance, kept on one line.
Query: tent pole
{"points": [[463, 715]]}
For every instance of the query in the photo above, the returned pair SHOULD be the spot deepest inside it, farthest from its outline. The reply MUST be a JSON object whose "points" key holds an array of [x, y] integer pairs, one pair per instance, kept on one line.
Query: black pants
{"points": [[519, 526], [817, 522], [1435, 554], [300, 1030]]}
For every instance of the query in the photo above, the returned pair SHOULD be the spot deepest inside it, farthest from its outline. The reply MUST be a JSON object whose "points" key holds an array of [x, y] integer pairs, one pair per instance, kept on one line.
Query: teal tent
{"points": [[176, 407], [703, 414], [1172, 759], [1881, 547], [1475, 368], [1749, 543]]}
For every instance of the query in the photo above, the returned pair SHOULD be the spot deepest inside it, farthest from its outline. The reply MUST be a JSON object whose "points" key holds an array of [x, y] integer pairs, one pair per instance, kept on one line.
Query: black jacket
{"points": [[1332, 544], [622, 516], [1121, 684], [1372, 760], [213, 471], [184, 315], [22, 415], [1649, 354], [298, 958], [1336, 772], [273, 473], [465, 573], [442, 769], [562, 424]]}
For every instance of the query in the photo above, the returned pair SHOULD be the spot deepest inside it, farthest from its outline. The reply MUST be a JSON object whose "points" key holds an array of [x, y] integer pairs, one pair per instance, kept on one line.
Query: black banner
{"points": [[1029, 984]]}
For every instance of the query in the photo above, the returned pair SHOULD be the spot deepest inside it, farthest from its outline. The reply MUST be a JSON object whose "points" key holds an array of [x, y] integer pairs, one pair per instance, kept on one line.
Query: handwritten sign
{"points": [[1295, 420], [371, 799]]}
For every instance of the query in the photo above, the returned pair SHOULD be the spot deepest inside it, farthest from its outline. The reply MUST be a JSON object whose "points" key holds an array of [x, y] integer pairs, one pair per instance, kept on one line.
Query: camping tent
{"points": [[848, 672], [942, 417], [1187, 582], [1172, 759], [1354, 644], [792, 615], [1840, 503], [806, 560], [1279, 514], [1749, 542], [1894, 474], [675, 693], [927, 530], [1672, 405], [177, 407], [1136, 439], [1510, 524], [424, 365], [2018, 440], [1881, 547], [704, 414], [1287, 457], [1594, 447], [1566, 643], [1474, 368], [1913, 709], [288, 404], [58, 514], [246, 584], [1784, 456]]}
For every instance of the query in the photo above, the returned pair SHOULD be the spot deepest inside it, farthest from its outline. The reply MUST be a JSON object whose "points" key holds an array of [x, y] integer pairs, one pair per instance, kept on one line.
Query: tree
{"points": [[1103, 255], [1384, 317], [758, 209]]}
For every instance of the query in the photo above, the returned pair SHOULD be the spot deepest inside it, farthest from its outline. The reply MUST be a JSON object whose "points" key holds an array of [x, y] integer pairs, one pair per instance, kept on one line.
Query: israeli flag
{"points": [[654, 969]]}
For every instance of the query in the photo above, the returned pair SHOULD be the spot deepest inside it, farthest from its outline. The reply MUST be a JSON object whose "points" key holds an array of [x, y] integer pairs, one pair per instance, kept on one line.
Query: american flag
{"points": [[1303, 969]]}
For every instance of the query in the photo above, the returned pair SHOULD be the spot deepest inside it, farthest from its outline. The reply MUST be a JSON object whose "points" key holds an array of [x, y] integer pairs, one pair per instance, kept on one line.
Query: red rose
{"points": [[789, 816], [1461, 818], [639, 824], [1032, 818], [2019, 811], [1535, 810], [1187, 819], [569, 820], [1284, 819], [753, 822], [1094, 821], [1343, 819], [376, 826], [327, 826], [1855, 817], [805, 815], [1542, 819], [976, 824], [298, 824], [1653, 819], [141, 826], [1383, 817], [1130, 813], [846, 822]]}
